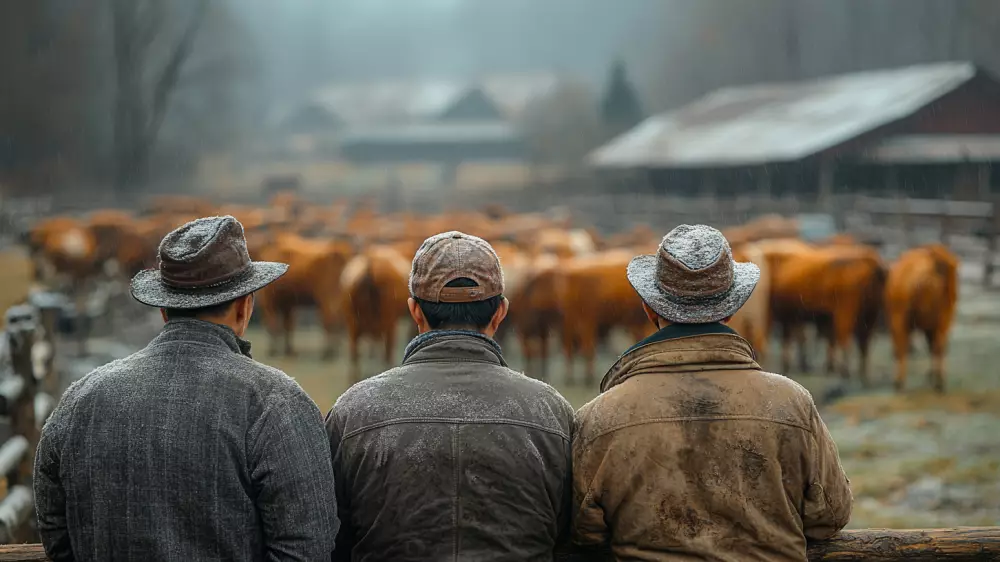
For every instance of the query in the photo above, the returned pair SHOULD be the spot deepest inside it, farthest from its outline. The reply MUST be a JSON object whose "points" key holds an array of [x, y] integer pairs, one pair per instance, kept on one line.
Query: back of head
{"points": [[457, 282]]}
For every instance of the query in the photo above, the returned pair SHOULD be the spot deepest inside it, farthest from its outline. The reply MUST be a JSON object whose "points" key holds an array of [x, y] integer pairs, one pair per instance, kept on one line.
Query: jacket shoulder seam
{"points": [[456, 421]]}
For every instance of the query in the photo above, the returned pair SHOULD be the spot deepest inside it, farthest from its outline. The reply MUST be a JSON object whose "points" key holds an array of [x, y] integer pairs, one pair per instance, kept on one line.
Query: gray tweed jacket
{"points": [[186, 450]]}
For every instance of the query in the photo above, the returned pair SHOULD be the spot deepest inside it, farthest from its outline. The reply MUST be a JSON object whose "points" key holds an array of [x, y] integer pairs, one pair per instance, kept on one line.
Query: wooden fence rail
{"points": [[960, 544]]}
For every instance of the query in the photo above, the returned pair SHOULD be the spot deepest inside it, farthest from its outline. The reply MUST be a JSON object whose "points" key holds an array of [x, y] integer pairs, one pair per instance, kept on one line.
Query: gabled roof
{"points": [[389, 101], [408, 101], [752, 125]]}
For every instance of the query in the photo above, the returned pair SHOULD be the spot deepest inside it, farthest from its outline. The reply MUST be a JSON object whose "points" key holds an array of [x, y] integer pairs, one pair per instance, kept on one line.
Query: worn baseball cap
{"points": [[444, 257]]}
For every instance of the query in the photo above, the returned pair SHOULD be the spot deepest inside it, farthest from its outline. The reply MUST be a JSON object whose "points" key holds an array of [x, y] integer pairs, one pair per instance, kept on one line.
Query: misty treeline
{"points": [[94, 92], [105, 94]]}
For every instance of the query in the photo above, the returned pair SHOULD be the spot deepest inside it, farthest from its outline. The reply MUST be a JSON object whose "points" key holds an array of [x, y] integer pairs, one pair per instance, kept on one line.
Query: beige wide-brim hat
{"points": [[693, 279], [203, 263]]}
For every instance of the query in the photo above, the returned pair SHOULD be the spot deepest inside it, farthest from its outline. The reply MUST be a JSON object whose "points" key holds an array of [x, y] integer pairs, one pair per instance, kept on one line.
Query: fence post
{"points": [[22, 324], [992, 231]]}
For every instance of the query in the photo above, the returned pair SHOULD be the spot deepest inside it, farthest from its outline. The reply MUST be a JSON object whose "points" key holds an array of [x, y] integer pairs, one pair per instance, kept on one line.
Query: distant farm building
{"points": [[445, 121], [926, 131]]}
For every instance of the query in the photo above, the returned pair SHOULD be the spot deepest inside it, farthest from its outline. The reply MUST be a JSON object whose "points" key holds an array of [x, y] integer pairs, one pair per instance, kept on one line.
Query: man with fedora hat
{"points": [[452, 455], [189, 449], [691, 451]]}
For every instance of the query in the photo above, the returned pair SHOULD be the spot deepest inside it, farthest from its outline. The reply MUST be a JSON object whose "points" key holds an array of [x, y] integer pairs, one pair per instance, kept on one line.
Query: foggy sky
{"points": [[309, 42]]}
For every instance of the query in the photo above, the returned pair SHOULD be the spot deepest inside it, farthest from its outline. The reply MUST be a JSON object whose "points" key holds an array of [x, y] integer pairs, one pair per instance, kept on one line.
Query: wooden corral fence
{"points": [[970, 228], [26, 400], [960, 544]]}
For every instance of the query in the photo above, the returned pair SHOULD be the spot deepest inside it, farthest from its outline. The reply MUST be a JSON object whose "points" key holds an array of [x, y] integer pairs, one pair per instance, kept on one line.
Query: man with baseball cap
{"points": [[189, 449], [452, 455], [691, 451]]}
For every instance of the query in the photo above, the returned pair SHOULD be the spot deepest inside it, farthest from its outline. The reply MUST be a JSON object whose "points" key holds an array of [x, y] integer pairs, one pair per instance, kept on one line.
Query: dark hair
{"points": [[460, 314], [210, 311]]}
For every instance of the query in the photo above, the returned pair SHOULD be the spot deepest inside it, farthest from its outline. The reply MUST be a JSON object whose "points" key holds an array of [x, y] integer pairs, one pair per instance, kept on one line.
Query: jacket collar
{"points": [[683, 348], [453, 345], [193, 330]]}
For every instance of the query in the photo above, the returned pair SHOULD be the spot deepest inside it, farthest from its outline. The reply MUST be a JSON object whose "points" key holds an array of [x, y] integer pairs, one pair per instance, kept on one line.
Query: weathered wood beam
{"points": [[968, 544], [959, 544]]}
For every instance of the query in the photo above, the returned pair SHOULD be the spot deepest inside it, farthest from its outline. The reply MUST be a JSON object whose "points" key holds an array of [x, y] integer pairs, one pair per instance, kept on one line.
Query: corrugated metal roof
{"points": [[780, 122], [926, 149]]}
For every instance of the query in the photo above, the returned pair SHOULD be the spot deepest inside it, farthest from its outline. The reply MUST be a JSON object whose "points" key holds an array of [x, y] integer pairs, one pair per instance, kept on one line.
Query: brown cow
{"points": [[921, 293], [374, 285], [752, 320], [313, 278], [595, 296], [123, 242], [534, 311], [841, 285]]}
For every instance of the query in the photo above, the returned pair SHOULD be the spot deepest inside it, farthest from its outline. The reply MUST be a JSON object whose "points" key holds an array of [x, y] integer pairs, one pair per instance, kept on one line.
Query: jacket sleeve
{"points": [[588, 527], [292, 476], [565, 517], [345, 538], [828, 499], [50, 497]]}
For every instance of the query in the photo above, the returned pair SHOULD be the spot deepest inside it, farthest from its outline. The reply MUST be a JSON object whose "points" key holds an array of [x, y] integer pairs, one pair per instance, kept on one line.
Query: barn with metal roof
{"points": [[927, 129]]}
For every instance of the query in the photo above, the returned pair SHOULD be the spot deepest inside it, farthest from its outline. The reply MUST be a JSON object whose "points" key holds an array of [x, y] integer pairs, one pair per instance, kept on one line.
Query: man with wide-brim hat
{"points": [[691, 450], [189, 449]]}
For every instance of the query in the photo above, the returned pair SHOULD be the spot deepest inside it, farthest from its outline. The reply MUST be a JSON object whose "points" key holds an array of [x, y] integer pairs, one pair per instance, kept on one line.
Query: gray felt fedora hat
{"points": [[203, 263], [692, 278]]}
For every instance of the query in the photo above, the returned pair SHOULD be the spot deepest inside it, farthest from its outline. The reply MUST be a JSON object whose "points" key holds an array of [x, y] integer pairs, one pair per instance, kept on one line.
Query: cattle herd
{"points": [[351, 264]]}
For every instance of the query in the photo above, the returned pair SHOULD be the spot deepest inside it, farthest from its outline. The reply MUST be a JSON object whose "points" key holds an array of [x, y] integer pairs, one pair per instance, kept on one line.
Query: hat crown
{"points": [[444, 257], [203, 253], [694, 262]]}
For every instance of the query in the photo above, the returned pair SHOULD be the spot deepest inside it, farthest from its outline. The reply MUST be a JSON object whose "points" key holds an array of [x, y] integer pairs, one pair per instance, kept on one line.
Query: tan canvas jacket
{"points": [[691, 452]]}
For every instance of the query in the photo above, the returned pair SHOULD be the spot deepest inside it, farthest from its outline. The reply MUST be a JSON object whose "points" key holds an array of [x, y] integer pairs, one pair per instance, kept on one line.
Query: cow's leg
{"points": [[543, 354], [288, 325], [843, 328], [567, 347], [353, 338], [390, 344], [900, 331], [272, 324], [786, 348], [329, 319], [937, 340], [588, 348], [863, 339]]}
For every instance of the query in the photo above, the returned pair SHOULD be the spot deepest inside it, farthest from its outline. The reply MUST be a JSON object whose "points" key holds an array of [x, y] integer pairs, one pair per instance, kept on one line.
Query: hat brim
{"points": [[642, 275], [148, 288]]}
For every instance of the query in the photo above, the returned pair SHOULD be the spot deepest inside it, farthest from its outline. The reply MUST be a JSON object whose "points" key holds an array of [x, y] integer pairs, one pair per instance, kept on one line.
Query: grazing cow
{"points": [[313, 278], [124, 244], [921, 294], [534, 312], [752, 321], [375, 289], [595, 296], [842, 285]]}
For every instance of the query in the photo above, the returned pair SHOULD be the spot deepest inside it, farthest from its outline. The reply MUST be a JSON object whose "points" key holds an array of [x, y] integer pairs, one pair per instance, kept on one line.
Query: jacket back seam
{"points": [[456, 421], [675, 419]]}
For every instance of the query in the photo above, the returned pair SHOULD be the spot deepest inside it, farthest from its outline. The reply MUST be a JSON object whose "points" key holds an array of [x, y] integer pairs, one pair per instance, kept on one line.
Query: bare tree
{"points": [[143, 90], [562, 127]]}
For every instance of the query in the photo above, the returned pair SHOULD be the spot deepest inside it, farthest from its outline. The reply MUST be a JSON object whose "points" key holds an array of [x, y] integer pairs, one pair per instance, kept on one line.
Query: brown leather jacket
{"points": [[691, 452], [451, 456]]}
